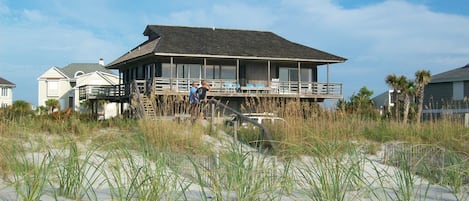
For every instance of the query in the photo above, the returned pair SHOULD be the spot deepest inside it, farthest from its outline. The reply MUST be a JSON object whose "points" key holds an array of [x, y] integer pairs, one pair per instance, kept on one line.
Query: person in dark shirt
{"points": [[203, 91], [202, 94]]}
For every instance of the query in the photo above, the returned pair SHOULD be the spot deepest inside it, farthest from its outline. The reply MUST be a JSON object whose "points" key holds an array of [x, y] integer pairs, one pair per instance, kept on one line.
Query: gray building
{"points": [[448, 92]]}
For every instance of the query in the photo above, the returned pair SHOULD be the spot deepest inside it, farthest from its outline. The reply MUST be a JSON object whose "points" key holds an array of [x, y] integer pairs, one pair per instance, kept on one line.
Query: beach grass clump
{"points": [[78, 173], [307, 122], [171, 135], [141, 175], [236, 174], [30, 173], [331, 172]]}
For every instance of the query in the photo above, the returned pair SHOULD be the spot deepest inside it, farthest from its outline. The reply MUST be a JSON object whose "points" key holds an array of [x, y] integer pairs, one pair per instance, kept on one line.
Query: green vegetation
{"points": [[321, 155]]}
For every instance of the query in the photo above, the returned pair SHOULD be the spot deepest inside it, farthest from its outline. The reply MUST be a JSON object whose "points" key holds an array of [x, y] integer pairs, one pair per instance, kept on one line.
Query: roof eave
{"points": [[250, 57], [117, 65]]}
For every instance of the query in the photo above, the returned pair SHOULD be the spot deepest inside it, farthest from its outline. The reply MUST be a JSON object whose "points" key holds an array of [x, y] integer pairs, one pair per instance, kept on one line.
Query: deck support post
{"points": [[327, 82], [171, 72], [268, 73], [299, 77], [237, 71], [212, 119]]}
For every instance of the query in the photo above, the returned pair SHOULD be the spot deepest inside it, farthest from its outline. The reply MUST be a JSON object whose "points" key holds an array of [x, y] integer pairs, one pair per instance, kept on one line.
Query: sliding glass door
{"points": [[291, 74]]}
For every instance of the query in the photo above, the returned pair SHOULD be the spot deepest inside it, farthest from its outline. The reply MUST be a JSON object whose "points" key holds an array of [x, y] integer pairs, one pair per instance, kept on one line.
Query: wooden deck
{"points": [[219, 88]]}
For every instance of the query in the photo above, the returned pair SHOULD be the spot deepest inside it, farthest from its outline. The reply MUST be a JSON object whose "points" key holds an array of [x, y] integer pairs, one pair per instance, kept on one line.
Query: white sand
{"points": [[376, 174]]}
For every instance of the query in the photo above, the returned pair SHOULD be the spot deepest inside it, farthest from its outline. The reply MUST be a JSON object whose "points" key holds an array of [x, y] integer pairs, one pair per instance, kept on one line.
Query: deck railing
{"points": [[101, 91], [228, 86], [219, 87]]}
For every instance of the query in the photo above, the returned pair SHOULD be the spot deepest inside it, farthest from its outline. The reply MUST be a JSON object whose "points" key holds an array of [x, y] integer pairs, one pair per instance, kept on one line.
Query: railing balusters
{"points": [[219, 88]]}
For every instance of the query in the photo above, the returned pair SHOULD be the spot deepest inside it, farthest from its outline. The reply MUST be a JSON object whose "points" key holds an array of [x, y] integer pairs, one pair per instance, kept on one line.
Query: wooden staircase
{"points": [[142, 104], [148, 109]]}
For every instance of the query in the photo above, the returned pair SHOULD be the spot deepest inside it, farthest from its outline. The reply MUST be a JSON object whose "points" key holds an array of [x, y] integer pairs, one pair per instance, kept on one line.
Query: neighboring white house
{"points": [[63, 84], [384, 101], [6, 92]]}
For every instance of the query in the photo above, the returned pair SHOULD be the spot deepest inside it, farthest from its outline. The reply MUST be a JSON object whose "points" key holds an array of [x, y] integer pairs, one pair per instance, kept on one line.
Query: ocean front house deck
{"points": [[236, 63], [219, 88]]}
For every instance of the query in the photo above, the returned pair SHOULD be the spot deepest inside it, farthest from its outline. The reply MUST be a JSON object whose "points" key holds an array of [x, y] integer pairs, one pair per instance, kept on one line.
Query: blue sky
{"points": [[377, 37]]}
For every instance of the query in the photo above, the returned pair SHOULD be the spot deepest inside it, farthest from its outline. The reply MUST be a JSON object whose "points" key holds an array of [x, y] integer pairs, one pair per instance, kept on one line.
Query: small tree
{"points": [[360, 103], [52, 104], [21, 106]]}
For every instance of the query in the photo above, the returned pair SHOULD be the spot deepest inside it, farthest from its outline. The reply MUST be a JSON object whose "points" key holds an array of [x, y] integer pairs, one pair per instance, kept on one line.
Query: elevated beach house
{"points": [[64, 84], [236, 63]]}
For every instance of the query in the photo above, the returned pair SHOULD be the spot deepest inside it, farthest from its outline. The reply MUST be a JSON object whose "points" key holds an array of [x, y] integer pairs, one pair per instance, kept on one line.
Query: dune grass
{"points": [[136, 159]]}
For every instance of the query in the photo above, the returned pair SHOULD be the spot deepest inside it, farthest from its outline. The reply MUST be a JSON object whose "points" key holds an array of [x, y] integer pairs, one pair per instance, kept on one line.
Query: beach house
{"points": [[236, 63], [6, 96]]}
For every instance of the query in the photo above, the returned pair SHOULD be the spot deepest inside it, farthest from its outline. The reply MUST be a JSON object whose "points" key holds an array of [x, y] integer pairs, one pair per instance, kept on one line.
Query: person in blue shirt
{"points": [[193, 99]]}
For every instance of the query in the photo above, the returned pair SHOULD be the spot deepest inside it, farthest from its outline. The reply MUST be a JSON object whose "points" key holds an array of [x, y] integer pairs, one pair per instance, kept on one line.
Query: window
{"points": [[52, 88], [4, 91], [188, 70], [458, 90], [212, 72], [291, 74], [220, 72], [78, 73], [228, 72], [306, 75], [166, 70], [149, 68]]}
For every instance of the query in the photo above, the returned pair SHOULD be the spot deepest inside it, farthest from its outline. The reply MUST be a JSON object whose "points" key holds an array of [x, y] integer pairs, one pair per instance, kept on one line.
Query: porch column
{"points": [[327, 81], [237, 71], [268, 73], [299, 77], [204, 70], [171, 74], [121, 104]]}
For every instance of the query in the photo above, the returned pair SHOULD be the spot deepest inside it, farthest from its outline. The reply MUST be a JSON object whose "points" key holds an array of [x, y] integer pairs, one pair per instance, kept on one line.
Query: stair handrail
{"points": [[134, 90], [150, 93], [266, 135]]}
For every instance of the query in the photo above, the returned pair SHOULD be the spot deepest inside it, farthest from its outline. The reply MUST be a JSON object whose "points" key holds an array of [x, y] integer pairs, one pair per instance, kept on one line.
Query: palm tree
{"points": [[52, 104], [392, 81], [407, 89], [422, 78], [21, 106]]}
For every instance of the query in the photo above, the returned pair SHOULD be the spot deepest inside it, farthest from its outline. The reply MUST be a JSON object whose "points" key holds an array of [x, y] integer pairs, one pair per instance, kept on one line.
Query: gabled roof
{"points": [[71, 69], [5, 82], [458, 74], [222, 43]]}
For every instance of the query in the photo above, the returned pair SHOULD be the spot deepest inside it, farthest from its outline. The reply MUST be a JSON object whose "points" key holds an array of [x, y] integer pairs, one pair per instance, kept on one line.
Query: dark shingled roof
{"points": [[458, 74], [229, 43], [71, 69], [5, 82]]}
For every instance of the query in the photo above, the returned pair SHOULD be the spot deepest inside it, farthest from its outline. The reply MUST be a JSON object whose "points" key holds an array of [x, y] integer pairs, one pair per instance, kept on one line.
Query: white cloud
{"points": [[4, 9], [225, 15], [31, 41], [378, 39], [34, 15]]}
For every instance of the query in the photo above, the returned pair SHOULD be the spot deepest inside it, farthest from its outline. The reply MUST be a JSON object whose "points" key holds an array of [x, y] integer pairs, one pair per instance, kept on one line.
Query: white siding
{"points": [[95, 78], [6, 96], [52, 84]]}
